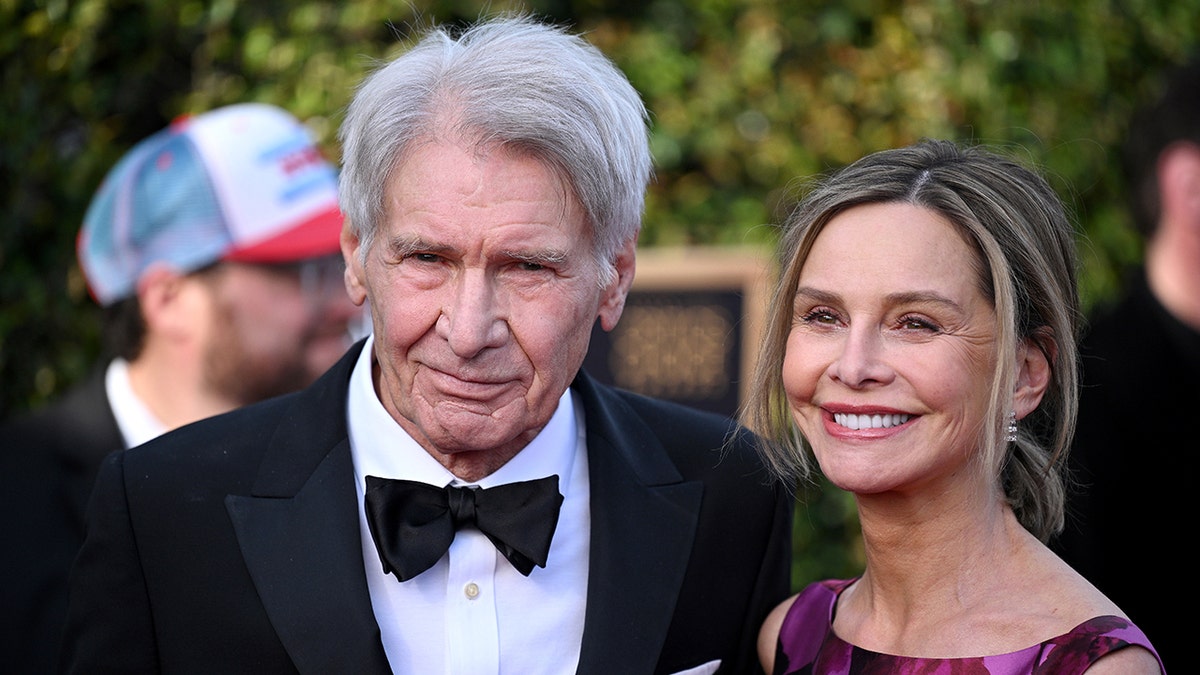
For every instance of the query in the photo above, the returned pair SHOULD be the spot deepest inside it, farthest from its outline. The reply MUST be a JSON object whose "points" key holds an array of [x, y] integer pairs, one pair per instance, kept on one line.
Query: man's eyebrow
{"points": [[404, 245], [546, 256]]}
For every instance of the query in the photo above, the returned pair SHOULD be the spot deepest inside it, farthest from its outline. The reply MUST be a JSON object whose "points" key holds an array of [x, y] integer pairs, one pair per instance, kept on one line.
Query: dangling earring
{"points": [[1012, 426]]}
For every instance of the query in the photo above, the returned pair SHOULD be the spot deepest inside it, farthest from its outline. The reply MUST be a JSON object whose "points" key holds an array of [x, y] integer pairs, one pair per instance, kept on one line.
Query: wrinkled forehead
{"points": [[528, 160]]}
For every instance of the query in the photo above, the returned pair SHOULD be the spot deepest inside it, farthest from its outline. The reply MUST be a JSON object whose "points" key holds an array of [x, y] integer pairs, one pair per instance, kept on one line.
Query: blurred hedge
{"points": [[747, 95]]}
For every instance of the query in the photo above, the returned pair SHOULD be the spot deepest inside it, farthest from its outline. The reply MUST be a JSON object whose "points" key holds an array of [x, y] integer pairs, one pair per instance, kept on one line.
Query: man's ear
{"points": [[612, 302], [165, 301], [1035, 356], [355, 273]]}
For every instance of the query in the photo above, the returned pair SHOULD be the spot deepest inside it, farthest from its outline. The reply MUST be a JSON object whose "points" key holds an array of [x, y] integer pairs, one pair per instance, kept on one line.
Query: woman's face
{"points": [[891, 352]]}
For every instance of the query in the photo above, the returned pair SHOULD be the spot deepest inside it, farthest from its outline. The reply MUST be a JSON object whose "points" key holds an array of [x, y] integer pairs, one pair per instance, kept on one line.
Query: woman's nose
{"points": [[862, 359]]}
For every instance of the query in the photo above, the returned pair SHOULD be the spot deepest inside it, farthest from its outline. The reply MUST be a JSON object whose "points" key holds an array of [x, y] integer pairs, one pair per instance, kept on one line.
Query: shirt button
{"points": [[471, 590]]}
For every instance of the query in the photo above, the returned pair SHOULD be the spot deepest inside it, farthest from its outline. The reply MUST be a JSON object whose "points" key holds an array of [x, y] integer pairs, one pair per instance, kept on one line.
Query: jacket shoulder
{"points": [[700, 443]]}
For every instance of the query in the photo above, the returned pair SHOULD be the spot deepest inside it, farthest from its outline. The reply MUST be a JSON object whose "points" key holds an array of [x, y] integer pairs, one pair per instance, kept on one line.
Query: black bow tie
{"points": [[414, 523]]}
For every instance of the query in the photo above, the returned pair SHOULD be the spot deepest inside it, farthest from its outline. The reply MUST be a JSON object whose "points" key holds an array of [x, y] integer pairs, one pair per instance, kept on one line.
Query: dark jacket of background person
{"points": [[71, 436], [1134, 462]]}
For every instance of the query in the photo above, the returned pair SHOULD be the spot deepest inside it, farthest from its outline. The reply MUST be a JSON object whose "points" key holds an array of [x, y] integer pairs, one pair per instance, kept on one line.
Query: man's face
{"points": [[275, 328], [483, 287]]}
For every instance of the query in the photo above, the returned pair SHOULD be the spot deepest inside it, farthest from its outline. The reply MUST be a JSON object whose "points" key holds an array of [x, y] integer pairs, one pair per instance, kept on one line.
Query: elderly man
{"points": [[455, 496]]}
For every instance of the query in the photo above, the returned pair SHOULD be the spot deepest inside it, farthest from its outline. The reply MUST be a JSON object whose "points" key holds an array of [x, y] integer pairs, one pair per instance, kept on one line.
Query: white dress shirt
{"points": [[134, 419], [472, 613]]}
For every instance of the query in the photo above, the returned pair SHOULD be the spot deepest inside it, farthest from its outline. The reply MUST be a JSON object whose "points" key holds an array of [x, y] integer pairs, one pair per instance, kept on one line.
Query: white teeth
{"points": [[869, 421]]}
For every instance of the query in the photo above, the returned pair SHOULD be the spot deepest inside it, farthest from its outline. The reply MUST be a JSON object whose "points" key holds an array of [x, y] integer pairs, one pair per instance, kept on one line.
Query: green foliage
{"points": [[825, 535], [748, 98]]}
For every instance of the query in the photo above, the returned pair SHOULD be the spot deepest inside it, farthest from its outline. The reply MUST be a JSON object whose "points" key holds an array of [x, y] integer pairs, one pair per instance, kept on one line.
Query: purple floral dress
{"points": [[808, 646]]}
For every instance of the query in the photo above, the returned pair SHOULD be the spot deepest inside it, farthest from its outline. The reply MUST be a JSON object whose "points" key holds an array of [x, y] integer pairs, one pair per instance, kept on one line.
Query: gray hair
{"points": [[514, 83], [1025, 250]]}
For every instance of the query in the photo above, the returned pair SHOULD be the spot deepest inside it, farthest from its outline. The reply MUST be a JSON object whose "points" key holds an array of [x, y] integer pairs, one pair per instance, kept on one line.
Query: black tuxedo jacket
{"points": [[48, 463], [232, 545]]}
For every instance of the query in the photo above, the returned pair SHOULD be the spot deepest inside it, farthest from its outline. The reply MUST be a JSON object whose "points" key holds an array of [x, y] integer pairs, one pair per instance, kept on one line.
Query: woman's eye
{"points": [[918, 323], [819, 316]]}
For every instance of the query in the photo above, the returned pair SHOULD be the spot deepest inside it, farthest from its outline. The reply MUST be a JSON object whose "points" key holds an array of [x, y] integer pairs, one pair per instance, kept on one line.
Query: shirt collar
{"points": [[134, 419]]}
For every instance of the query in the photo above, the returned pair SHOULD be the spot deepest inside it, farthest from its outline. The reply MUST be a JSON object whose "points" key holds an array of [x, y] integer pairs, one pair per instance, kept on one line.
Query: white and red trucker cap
{"points": [[244, 183]]}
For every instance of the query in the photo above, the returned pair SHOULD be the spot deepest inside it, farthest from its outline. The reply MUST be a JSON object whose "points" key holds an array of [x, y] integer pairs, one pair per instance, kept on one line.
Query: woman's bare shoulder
{"points": [[768, 635], [1127, 661]]}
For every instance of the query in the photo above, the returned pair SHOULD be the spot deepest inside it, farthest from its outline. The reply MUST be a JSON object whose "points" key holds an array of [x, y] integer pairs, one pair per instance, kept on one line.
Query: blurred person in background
{"points": [[213, 248], [1133, 457]]}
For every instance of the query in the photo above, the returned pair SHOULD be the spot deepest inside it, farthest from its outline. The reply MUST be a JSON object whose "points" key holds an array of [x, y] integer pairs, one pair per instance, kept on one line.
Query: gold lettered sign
{"points": [[690, 327]]}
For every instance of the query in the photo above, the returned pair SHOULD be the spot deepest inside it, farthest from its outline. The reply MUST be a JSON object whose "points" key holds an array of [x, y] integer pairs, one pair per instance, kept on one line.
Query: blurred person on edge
{"points": [[1133, 457], [456, 495], [213, 247]]}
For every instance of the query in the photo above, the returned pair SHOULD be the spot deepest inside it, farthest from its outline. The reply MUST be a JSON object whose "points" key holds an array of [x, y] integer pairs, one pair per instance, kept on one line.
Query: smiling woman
{"points": [[921, 347]]}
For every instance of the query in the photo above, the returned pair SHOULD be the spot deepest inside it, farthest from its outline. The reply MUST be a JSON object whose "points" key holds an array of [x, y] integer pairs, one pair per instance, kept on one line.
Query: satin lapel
{"points": [[300, 539], [644, 520]]}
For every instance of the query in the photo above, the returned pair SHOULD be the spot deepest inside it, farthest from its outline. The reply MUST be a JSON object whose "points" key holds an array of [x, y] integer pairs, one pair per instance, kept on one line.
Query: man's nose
{"points": [[472, 319]]}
